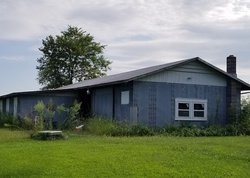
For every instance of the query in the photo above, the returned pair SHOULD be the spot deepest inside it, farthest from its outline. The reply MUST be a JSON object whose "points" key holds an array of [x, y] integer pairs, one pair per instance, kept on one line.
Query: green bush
{"points": [[9, 119], [28, 123], [141, 130], [105, 126]]}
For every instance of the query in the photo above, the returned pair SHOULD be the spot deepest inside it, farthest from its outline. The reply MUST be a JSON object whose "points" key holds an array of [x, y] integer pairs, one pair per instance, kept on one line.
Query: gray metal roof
{"points": [[135, 74]]}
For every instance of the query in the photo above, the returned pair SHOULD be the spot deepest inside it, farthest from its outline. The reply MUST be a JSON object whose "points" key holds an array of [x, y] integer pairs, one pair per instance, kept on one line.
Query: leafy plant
{"points": [[71, 117], [8, 118], [50, 111], [39, 108]]}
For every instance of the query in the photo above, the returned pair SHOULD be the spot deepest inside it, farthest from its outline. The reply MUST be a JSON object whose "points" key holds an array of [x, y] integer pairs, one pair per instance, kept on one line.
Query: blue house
{"points": [[22, 104], [191, 91]]}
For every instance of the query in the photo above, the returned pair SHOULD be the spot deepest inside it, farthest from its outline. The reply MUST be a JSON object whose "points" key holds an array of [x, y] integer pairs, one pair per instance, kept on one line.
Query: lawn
{"points": [[92, 156]]}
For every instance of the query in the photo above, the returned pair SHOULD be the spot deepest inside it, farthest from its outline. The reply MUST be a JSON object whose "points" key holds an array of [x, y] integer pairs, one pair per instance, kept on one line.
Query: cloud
{"points": [[138, 33]]}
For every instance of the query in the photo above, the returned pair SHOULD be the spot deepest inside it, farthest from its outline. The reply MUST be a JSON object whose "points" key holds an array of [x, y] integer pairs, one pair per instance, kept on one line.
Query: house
{"points": [[191, 91], [22, 104]]}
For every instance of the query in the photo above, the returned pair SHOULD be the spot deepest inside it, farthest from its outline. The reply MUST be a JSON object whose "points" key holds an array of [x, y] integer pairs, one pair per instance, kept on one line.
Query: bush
{"points": [[105, 126], [140, 130], [9, 119]]}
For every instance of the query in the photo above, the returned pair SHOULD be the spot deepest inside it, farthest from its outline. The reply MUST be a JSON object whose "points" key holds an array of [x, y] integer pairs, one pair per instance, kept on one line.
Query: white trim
{"points": [[190, 109]]}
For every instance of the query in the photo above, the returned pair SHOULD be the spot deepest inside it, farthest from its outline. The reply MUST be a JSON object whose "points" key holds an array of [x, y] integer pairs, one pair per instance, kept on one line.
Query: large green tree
{"points": [[70, 57]]}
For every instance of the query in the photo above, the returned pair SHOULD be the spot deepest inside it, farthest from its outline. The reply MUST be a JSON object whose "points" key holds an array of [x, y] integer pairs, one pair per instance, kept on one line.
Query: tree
{"points": [[70, 57]]}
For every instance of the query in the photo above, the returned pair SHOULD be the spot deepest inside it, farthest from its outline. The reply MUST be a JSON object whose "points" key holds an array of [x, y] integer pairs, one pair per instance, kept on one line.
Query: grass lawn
{"points": [[92, 156]]}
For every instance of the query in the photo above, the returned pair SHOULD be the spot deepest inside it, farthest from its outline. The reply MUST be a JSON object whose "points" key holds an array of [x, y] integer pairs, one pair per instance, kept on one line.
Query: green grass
{"points": [[92, 156]]}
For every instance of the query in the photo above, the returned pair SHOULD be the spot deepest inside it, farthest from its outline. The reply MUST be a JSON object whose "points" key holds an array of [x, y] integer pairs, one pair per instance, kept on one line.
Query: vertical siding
{"points": [[161, 104], [102, 102], [194, 73], [106, 101], [1, 106], [26, 103], [15, 106], [7, 105], [122, 111]]}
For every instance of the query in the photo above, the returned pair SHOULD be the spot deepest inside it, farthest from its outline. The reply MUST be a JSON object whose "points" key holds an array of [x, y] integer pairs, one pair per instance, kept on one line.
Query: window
{"points": [[125, 97], [190, 109]]}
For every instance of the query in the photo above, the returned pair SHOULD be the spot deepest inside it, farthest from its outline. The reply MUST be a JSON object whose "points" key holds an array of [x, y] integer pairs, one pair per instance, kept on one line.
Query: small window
{"points": [[190, 109], [183, 109], [125, 97]]}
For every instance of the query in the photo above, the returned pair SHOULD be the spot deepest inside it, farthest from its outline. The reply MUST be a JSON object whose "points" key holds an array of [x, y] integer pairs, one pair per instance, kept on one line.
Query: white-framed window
{"points": [[125, 97], [190, 109]]}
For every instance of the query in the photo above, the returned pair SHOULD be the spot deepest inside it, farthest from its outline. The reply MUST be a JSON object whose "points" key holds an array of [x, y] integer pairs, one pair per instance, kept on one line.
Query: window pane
{"points": [[198, 113], [183, 106], [183, 113], [199, 107], [125, 97]]}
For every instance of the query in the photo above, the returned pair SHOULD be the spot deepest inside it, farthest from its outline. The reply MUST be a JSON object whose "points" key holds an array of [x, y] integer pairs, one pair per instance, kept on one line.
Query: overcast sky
{"points": [[138, 33]]}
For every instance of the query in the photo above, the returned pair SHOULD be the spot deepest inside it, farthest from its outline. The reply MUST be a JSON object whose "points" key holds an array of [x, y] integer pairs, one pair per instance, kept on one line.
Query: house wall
{"points": [[23, 104], [1, 106], [26, 103], [102, 102], [123, 103], [152, 98], [156, 102], [107, 101], [192, 73]]}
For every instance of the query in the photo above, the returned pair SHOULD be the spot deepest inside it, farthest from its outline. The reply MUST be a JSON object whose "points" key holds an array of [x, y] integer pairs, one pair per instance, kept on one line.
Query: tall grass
{"points": [[104, 126]]}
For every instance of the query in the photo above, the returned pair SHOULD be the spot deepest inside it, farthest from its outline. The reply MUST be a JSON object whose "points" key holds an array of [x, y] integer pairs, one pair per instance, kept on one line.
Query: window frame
{"points": [[191, 109]]}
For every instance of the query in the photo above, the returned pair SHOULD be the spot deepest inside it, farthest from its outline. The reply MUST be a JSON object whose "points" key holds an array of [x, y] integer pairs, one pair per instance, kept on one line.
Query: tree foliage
{"points": [[70, 57]]}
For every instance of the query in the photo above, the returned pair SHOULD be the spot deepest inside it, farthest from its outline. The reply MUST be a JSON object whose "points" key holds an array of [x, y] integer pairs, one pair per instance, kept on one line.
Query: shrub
{"points": [[28, 123], [141, 130], [39, 108], [9, 119], [71, 118]]}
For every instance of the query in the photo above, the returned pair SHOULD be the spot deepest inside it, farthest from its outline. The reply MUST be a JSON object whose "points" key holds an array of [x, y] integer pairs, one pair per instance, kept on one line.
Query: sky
{"points": [[138, 33]]}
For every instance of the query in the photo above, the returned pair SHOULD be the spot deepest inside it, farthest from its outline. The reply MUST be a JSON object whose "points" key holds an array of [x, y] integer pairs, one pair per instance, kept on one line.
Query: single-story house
{"points": [[191, 91], [22, 104]]}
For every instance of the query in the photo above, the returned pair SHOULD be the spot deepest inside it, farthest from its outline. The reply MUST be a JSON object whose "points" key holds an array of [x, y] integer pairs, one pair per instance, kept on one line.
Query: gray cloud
{"points": [[138, 33]]}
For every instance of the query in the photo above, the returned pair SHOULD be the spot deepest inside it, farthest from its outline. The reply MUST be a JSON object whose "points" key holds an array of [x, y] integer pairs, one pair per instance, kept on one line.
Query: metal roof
{"points": [[135, 74], [39, 92]]}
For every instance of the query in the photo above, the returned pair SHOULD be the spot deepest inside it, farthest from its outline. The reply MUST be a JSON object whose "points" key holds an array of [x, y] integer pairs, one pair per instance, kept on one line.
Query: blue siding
{"points": [[106, 102], [26, 103], [156, 102], [102, 102], [122, 111]]}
